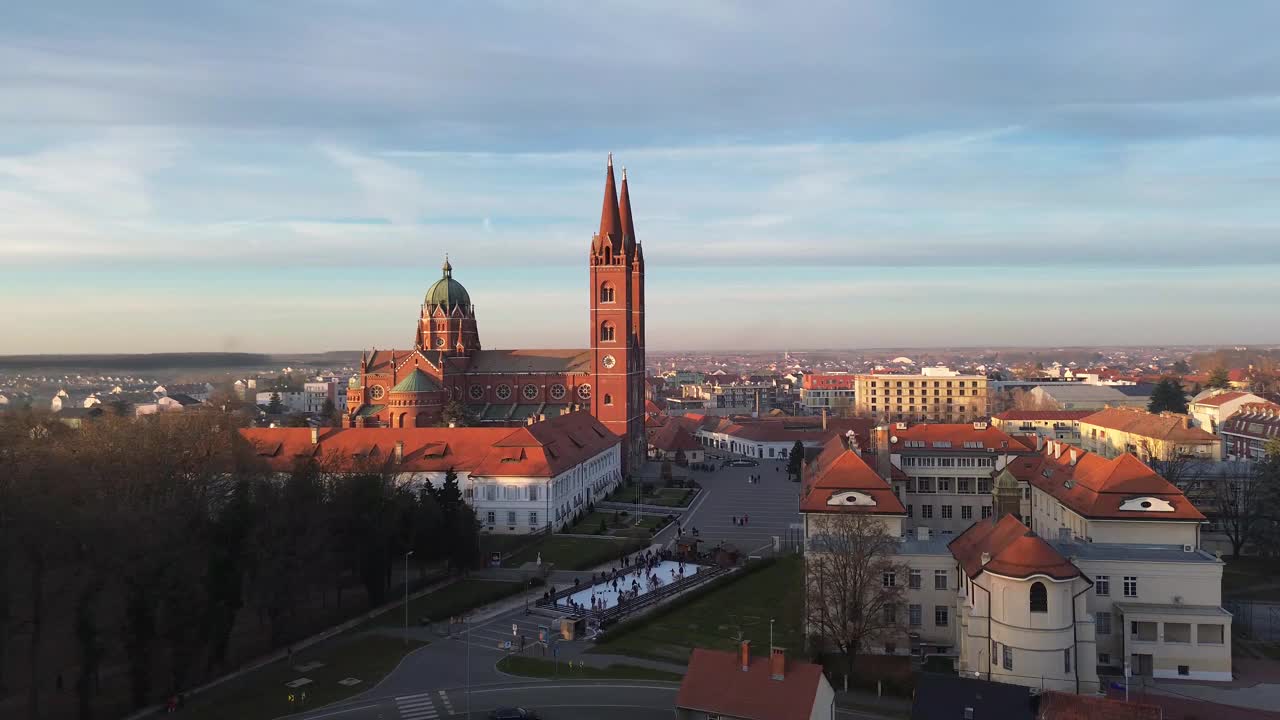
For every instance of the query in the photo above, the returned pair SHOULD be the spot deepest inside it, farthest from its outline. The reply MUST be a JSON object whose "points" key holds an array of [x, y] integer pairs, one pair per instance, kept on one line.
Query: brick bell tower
{"points": [[617, 323]]}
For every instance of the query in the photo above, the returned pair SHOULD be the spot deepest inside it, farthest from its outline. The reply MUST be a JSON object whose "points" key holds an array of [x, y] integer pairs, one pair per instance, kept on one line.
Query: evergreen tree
{"points": [[1219, 378], [795, 463], [329, 412], [1168, 397], [1181, 368]]}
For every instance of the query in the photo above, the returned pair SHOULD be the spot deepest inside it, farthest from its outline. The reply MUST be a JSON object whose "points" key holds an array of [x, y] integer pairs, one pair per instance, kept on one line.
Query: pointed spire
{"points": [[610, 224], [624, 215]]}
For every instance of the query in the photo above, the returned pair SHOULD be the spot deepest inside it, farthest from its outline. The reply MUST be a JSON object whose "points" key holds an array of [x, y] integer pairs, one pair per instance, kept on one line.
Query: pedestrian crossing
{"points": [[444, 699], [417, 707]]}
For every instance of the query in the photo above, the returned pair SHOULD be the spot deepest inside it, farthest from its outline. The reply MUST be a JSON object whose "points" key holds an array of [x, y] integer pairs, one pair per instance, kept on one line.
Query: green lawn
{"points": [[450, 600], [618, 524], [665, 497], [262, 695], [715, 619], [539, 668], [574, 553], [1251, 578]]}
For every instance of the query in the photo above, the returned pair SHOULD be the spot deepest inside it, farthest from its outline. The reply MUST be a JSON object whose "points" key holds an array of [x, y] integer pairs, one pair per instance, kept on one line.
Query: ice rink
{"points": [[668, 571]]}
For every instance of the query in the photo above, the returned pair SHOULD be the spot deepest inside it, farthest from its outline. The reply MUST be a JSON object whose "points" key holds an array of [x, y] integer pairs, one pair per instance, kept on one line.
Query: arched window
{"points": [[606, 331], [1039, 597], [608, 399], [606, 293]]}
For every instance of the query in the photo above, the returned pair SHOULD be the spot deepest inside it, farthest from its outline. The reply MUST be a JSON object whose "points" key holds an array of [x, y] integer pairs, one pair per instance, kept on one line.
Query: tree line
{"points": [[147, 549]]}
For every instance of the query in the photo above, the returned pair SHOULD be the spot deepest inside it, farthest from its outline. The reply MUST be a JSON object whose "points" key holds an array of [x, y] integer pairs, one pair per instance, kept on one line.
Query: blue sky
{"points": [[286, 176]]}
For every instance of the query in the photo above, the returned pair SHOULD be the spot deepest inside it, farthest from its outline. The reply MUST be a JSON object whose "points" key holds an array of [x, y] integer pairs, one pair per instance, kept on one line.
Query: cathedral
{"points": [[447, 365]]}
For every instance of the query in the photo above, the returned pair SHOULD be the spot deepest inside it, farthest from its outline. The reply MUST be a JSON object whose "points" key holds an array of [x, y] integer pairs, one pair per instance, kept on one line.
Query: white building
{"points": [[294, 401], [519, 480], [1063, 425], [1211, 408]]}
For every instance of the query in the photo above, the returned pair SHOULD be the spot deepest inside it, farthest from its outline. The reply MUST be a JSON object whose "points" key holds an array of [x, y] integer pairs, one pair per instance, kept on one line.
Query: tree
{"points": [[681, 459], [1219, 378], [274, 405], [1267, 477], [329, 413], [854, 583], [1167, 396], [795, 462], [455, 414], [665, 473], [1181, 367]]}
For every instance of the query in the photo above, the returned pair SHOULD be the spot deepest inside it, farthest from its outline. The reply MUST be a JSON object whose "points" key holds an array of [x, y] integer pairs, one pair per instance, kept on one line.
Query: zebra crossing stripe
{"points": [[444, 698], [416, 707]]}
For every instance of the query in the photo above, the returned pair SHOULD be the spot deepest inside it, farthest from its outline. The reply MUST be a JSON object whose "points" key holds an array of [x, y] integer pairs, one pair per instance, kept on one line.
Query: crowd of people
{"points": [[635, 575]]}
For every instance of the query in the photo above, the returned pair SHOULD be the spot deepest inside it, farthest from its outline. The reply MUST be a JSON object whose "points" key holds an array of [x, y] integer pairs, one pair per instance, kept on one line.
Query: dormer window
{"points": [[1147, 504], [851, 497]]}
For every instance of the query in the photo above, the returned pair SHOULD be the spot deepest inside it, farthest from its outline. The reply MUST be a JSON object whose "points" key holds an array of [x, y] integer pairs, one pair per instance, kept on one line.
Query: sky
{"points": [[288, 176]]}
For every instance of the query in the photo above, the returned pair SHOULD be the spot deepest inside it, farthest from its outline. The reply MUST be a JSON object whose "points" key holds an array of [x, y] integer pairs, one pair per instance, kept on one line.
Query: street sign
{"points": [[506, 645], [515, 629]]}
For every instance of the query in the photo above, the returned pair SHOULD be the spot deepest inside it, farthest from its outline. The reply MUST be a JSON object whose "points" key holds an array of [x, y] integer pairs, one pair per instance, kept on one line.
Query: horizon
{"points": [[233, 177]]}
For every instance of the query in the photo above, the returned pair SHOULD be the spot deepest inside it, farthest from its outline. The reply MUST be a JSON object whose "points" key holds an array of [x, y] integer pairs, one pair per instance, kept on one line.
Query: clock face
{"points": [[476, 392], [377, 392], [584, 391], [608, 361], [557, 392]]}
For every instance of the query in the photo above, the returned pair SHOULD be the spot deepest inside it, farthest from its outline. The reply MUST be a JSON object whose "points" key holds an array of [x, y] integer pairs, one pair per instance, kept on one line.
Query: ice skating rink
{"points": [[668, 571]]}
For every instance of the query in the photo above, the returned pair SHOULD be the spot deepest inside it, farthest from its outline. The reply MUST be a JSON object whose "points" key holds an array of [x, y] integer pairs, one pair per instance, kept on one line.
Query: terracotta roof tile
{"points": [[672, 437], [1221, 398], [716, 684], [1056, 705], [1095, 487], [1015, 551], [837, 470], [1030, 415], [952, 436], [1165, 426]]}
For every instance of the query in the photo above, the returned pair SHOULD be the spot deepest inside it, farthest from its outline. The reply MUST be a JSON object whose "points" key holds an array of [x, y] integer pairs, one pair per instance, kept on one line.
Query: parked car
{"points": [[513, 713], [743, 463]]}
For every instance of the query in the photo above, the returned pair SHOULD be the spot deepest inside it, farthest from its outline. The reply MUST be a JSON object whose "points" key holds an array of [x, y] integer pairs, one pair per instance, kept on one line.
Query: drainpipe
{"points": [[1075, 637]]}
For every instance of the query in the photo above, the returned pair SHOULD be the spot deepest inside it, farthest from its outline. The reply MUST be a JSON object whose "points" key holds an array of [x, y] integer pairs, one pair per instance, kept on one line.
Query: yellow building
{"points": [[936, 394], [1167, 436]]}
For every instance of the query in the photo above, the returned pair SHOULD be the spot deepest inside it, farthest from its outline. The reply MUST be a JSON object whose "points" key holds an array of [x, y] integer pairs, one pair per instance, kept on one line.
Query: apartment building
{"points": [[1245, 433], [935, 394], [1211, 408], [1062, 425], [1167, 436], [832, 392]]}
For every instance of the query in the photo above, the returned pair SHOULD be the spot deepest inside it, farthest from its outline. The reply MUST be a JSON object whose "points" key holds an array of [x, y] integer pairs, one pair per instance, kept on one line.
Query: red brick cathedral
{"points": [[410, 388]]}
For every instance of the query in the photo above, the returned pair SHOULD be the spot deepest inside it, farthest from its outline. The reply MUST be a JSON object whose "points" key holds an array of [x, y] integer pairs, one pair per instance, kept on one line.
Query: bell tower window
{"points": [[606, 332], [607, 293]]}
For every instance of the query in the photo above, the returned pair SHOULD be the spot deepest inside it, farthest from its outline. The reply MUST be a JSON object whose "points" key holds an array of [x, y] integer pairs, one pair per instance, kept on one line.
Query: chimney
{"points": [[315, 436], [777, 663], [1039, 443], [824, 419], [399, 451], [1075, 455], [745, 655], [1057, 450], [986, 558]]}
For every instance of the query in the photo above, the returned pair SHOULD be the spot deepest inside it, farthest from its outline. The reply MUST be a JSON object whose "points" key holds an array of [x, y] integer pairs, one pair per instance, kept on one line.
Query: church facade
{"points": [[447, 370]]}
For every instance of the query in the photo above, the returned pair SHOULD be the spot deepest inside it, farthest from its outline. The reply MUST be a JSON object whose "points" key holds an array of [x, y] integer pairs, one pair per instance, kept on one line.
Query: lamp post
{"points": [[406, 596], [771, 635]]}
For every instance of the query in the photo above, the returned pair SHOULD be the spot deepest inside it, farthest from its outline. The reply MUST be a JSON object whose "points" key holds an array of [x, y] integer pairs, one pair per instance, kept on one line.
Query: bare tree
{"points": [[854, 584]]}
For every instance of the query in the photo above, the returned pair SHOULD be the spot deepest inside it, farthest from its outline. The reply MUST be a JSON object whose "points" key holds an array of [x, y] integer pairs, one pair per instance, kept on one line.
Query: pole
{"points": [[770, 634], [406, 596], [468, 670]]}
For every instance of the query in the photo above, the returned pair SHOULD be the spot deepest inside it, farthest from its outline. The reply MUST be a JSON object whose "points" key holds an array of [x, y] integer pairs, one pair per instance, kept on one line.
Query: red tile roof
{"points": [[1257, 420], [1221, 398], [1031, 415], [952, 436], [787, 429], [1014, 551], [837, 469], [540, 450], [1095, 487], [1056, 705], [716, 684], [672, 437], [1165, 426]]}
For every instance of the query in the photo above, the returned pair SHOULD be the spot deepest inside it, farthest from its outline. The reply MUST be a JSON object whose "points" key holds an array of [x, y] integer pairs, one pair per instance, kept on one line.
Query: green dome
{"points": [[417, 381], [448, 292]]}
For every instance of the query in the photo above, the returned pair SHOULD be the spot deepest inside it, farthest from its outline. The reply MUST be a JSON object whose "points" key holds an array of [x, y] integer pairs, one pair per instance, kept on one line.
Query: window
{"points": [[492, 517], [608, 399], [940, 617], [944, 484], [986, 511], [1103, 621], [939, 579], [1008, 658], [1104, 658], [888, 612], [964, 485], [914, 615], [1177, 633], [1066, 660], [533, 492], [926, 511], [533, 519], [1130, 586], [984, 486], [1039, 598], [966, 512], [889, 579], [1209, 634], [511, 517], [1102, 585], [606, 331], [1184, 669], [911, 511], [946, 512], [606, 293], [913, 580], [491, 492]]}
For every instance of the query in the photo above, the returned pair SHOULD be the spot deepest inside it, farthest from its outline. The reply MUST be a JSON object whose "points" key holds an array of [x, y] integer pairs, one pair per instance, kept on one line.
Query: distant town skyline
{"points": [[288, 177]]}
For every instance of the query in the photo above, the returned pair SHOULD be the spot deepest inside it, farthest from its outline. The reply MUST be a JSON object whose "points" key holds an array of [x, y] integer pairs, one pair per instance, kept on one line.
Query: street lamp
{"points": [[406, 597]]}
